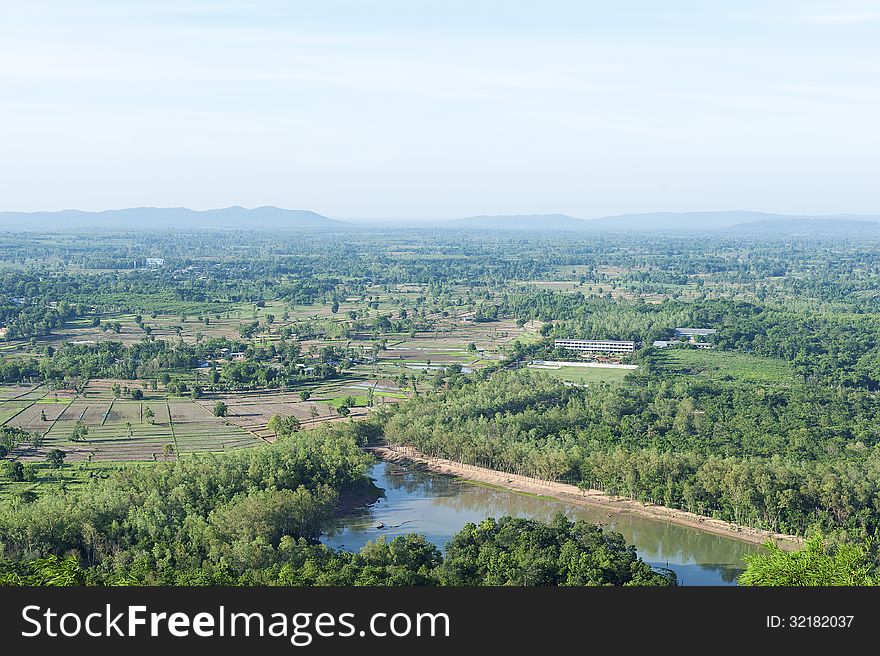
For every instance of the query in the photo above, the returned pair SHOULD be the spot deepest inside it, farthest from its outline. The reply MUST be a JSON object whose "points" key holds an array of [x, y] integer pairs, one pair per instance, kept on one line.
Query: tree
{"points": [[149, 415], [220, 409], [281, 425], [55, 457], [17, 472], [334, 308], [305, 395], [137, 394], [79, 432], [343, 411]]}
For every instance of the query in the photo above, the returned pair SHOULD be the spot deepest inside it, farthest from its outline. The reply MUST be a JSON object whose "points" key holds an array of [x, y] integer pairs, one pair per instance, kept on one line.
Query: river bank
{"points": [[573, 494]]}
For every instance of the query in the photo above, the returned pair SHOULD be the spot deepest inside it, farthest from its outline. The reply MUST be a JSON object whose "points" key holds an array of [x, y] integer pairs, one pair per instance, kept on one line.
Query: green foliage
{"points": [[252, 544], [814, 565], [213, 513], [282, 426], [525, 552], [49, 571], [55, 457], [79, 432]]}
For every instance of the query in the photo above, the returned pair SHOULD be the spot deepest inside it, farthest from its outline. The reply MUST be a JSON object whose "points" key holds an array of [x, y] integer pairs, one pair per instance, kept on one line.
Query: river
{"points": [[438, 506]]}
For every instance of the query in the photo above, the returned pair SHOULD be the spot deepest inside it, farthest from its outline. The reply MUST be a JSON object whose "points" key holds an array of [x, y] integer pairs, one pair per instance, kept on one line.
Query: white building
{"points": [[595, 345], [155, 262]]}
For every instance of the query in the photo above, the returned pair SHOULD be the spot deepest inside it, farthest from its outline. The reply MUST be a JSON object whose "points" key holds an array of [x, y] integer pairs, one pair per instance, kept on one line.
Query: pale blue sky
{"points": [[415, 108]]}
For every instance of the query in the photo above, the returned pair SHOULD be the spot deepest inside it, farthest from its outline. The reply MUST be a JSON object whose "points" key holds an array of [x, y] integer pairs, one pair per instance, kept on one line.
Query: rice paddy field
{"points": [[118, 430]]}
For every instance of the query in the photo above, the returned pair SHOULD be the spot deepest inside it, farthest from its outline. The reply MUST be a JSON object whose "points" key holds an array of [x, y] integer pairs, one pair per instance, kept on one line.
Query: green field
{"points": [[359, 401], [586, 375], [726, 365]]}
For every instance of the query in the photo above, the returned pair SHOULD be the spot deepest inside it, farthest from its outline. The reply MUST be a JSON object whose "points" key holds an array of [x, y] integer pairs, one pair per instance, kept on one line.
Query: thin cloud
{"points": [[840, 19]]}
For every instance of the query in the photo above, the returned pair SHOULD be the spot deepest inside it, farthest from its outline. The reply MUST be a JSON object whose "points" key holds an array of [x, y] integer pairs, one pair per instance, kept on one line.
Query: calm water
{"points": [[438, 506]]}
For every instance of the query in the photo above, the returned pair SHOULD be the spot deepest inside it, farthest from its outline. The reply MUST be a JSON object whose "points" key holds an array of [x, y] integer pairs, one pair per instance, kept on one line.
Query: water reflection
{"points": [[438, 506]]}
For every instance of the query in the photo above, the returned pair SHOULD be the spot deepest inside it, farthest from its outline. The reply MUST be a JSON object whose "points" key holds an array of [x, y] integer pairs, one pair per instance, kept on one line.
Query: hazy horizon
{"points": [[393, 110], [660, 218]]}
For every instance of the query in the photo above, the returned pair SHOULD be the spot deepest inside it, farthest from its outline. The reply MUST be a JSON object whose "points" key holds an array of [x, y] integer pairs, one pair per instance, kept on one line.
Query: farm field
{"points": [[121, 430]]}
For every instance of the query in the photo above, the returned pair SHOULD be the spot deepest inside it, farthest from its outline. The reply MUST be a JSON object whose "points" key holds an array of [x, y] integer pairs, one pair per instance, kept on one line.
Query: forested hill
{"points": [[166, 217]]}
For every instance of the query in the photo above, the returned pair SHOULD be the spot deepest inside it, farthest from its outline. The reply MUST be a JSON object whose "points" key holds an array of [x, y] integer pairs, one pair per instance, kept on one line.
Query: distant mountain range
{"points": [[664, 222], [275, 218], [166, 217], [814, 226]]}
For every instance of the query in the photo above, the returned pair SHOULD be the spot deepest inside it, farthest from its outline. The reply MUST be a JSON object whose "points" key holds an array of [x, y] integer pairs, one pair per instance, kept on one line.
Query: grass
{"points": [[713, 363], [588, 374]]}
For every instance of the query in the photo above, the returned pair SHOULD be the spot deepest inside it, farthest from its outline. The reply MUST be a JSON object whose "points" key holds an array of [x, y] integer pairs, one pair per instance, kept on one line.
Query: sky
{"points": [[415, 109]]}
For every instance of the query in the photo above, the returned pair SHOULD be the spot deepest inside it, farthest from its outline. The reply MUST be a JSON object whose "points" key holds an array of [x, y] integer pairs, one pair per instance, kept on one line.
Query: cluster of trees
{"points": [[507, 551], [526, 552], [23, 318], [12, 436], [213, 513], [276, 365]]}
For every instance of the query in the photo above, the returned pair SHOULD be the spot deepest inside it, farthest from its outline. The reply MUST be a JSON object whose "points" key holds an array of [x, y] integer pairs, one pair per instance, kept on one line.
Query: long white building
{"points": [[595, 345]]}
